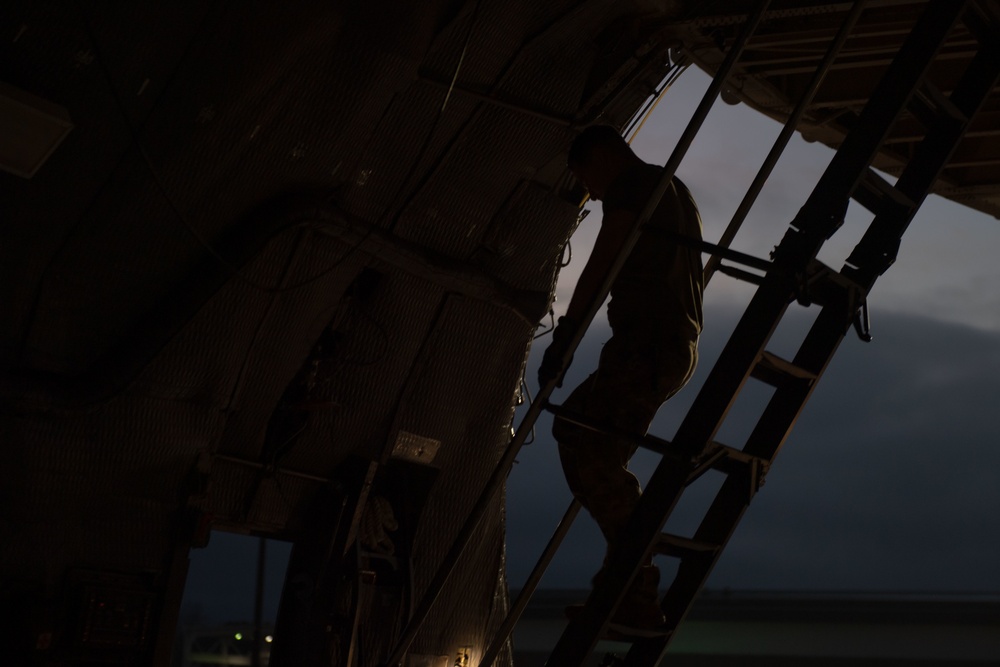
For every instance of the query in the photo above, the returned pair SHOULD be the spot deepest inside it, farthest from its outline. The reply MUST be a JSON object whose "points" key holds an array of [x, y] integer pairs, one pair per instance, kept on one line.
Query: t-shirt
{"points": [[661, 282]]}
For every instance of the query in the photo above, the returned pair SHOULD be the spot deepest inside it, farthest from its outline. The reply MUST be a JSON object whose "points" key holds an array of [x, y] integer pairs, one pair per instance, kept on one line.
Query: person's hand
{"points": [[552, 366]]}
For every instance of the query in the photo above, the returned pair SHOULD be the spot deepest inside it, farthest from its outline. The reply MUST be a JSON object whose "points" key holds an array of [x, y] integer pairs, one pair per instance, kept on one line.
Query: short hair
{"points": [[582, 148]]}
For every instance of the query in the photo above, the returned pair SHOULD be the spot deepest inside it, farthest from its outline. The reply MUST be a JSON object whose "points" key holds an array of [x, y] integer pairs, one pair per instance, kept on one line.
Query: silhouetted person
{"points": [[655, 315]]}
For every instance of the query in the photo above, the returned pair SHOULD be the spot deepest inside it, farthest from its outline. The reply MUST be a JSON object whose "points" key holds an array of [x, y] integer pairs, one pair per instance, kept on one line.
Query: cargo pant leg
{"points": [[630, 385]]}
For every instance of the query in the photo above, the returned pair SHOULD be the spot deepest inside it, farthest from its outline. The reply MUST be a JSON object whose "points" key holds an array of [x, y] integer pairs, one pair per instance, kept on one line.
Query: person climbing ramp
{"points": [[655, 315]]}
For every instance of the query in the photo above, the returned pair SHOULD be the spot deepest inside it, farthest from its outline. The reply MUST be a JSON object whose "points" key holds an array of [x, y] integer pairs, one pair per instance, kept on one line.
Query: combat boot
{"points": [[640, 610], [639, 613]]}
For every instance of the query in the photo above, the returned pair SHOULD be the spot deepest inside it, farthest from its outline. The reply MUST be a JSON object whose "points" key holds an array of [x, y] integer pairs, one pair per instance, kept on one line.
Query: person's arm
{"points": [[615, 228], [614, 231]]}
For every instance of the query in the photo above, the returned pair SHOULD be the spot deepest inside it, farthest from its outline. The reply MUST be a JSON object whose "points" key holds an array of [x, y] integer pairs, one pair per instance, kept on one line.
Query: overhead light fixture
{"points": [[32, 129]]}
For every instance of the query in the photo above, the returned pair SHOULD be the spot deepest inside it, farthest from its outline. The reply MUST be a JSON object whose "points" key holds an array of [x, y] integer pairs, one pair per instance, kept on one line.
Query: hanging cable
{"points": [[461, 57], [567, 253], [552, 325]]}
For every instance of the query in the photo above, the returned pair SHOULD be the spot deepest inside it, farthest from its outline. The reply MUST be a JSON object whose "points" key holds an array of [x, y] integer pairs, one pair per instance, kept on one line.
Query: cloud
{"points": [[889, 480]]}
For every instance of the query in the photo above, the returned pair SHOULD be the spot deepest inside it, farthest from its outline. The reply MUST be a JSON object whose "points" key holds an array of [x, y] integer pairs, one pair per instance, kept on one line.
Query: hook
{"points": [[862, 322]]}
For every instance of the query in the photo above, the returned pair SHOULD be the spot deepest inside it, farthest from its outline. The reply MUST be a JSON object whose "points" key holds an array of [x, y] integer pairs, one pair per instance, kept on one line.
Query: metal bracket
{"points": [[757, 476], [822, 285], [862, 322]]}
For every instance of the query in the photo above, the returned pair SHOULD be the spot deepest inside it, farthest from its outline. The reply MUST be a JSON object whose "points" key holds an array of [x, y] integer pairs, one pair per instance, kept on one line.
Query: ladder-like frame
{"points": [[794, 274]]}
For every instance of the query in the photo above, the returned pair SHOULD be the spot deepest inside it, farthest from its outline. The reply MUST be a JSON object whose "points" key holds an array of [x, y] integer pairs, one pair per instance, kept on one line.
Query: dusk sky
{"points": [[889, 481]]}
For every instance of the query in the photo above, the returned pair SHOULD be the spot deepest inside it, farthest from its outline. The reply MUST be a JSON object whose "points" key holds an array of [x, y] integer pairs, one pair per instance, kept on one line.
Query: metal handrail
{"points": [[530, 584]]}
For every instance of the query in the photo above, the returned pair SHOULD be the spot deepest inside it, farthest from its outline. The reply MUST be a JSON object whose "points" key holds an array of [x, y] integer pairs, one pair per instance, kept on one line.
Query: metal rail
{"points": [[524, 597]]}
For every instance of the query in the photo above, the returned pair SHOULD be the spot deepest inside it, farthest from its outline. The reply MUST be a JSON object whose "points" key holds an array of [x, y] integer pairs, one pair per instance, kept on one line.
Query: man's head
{"points": [[597, 156]]}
